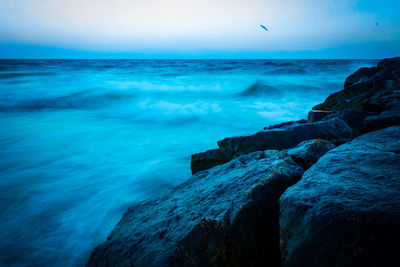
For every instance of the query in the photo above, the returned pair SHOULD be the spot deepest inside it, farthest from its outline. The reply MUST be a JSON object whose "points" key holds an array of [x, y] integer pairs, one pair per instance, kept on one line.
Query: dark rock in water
{"points": [[363, 84], [318, 115], [353, 118], [348, 98], [336, 131], [308, 152], [285, 124], [259, 89], [392, 64], [361, 75], [345, 211], [206, 160], [385, 119], [224, 216]]}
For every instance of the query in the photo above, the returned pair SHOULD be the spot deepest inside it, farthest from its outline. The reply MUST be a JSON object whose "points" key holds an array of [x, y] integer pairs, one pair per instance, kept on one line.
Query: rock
{"points": [[308, 152], [353, 117], [363, 84], [390, 63], [388, 102], [285, 124], [318, 115], [334, 130], [206, 160], [224, 216], [345, 211], [383, 100], [349, 98], [361, 75], [385, 119]]}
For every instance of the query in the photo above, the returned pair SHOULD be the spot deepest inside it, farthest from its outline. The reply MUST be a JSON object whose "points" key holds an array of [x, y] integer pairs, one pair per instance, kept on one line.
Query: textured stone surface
{"points": [[363, 84], [385, 119], [308, 152], [318, 115], [353, 118], [335, 130], [205, 160], [284, 124], [227, 215], [386, 102], [345, 211]]}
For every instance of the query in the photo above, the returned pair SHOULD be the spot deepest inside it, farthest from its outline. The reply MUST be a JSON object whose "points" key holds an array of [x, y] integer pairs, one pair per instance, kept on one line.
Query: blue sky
{"points": [[199, 29]]}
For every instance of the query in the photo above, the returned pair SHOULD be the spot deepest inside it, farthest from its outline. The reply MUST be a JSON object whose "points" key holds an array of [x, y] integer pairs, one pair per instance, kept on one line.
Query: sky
{"points": [[199, 28]]}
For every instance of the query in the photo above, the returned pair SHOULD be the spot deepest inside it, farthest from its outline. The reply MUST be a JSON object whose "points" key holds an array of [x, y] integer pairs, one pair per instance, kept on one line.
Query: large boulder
{"points": [[285, 124], [385, 119], [224, 216], [336, 131], [318, 115], [389, 103], [383, 100], [361, 75], [345, 211], [206, 160], [308, 152], [363, 84], [353, 117]]}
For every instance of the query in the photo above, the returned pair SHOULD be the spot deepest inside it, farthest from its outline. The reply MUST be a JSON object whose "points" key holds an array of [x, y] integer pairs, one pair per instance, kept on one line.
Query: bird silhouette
{"points": [[265, 28]]}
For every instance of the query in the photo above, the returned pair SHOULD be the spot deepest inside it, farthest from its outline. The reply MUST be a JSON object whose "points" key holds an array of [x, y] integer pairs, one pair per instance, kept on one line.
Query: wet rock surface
{"points": [[345, 211], [308, 152], [206, 160], [353, 118], [227, 215], [318, 115], [363, 84], [285, 124], [335, 130]]}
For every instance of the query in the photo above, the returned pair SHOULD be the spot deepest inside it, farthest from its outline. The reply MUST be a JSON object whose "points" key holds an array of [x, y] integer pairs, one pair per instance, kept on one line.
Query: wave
{"points": [[259, 89], [80, 100], [289, 70], [11, 75], [279, 63]]}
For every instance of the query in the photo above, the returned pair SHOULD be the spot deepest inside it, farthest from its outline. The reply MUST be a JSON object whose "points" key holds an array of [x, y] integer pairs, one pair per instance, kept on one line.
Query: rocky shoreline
{"points": [[318, 192]]}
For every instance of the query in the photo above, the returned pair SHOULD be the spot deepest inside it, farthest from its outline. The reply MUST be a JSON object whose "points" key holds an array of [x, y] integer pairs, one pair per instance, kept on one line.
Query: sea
{"points": [[82, 140]]}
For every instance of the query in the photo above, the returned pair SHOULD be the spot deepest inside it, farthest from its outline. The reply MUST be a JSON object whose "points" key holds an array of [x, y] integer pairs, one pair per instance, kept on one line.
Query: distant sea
{"points": [[82, 140]]}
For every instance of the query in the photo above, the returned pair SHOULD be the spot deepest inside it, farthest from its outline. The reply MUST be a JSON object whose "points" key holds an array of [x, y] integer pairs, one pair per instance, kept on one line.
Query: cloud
{"points": [[132, 25]]}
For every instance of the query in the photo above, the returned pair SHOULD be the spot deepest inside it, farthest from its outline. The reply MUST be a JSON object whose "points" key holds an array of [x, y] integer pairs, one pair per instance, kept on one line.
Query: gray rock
{"points": [[318, 115], [285, 124], [336, 131], [383, 100], [308, 152], [363, 84], [353, 117], [388, 103], [385, 119], [361, 75], [345, 211], [205, 160], [392, 63], [224, 216]]}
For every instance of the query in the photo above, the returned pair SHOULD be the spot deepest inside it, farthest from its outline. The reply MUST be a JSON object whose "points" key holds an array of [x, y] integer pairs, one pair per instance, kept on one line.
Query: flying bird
{"points": [[265, 28]]}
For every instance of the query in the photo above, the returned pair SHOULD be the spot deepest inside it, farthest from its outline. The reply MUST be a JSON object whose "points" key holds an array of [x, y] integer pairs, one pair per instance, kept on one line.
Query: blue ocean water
{"points": [[81, 140]]}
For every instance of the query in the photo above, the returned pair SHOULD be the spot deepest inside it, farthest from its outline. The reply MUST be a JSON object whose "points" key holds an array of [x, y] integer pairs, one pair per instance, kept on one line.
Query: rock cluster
{"points": [[227, 215], [345, 211], [321, 192]]}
